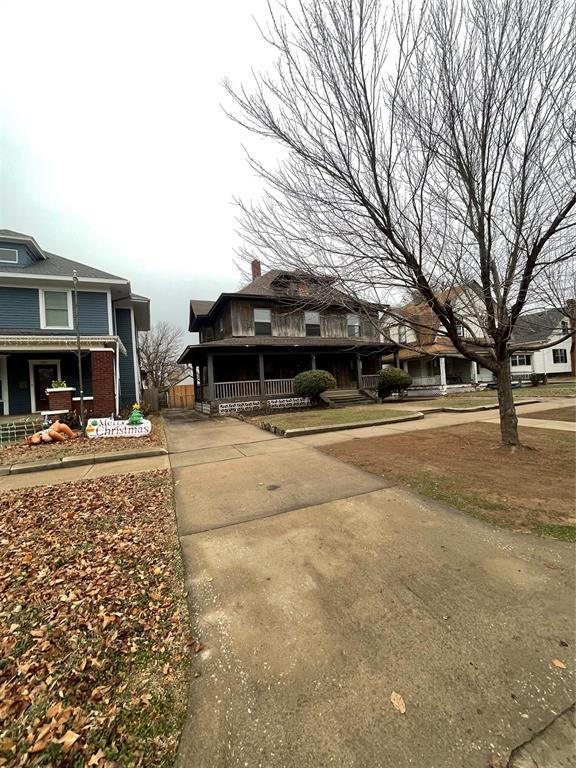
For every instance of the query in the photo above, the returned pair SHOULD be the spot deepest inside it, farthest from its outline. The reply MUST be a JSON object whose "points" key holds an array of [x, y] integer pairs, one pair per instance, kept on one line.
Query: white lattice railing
{"points": [[426, 381], [224, 390], [279, 386], [370, 381]]}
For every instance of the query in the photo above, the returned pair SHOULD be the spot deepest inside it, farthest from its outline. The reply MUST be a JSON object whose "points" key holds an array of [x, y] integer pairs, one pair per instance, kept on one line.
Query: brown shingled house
{"points": [[255, 341]]}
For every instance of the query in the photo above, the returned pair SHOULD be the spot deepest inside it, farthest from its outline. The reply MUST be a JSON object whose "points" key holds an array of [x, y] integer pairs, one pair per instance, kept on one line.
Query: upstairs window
{"points": [[402, 334], [263, 322], [312, 322], [8, 256], [353, 323], [565, 328], [56, 309], [518, 360], [460, 331], [559, 356]]}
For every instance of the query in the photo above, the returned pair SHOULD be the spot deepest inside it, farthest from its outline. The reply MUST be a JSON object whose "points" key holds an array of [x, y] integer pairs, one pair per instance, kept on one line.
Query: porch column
{"points": [[210, 368], [443, 372], [359, 369], [261, 375], [473, 372], [313, 361], [396, 359], [103, 381]]}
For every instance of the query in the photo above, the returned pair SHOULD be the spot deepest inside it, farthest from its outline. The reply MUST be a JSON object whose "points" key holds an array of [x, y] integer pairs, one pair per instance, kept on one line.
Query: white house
{"points": [[436, 366]]}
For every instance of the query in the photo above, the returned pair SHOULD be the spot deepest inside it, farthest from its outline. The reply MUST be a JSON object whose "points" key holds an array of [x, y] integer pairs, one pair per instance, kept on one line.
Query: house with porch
{"points": [[252, 343], [38, 339], [437, 367]]}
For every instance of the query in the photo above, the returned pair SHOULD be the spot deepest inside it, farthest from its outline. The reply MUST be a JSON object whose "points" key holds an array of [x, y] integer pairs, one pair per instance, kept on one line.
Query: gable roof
{"points": [[50, 264], [537, 326]]}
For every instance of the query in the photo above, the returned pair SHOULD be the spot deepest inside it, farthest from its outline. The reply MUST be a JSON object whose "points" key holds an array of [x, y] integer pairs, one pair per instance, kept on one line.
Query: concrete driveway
{"points": [[317, 590]]}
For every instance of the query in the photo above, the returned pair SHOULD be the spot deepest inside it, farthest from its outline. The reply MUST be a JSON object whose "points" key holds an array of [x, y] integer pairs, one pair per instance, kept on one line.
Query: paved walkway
{"points": [[318, 590]]}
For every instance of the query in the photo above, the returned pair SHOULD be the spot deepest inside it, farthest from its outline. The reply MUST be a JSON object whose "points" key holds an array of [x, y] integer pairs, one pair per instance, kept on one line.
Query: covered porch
{"points": [[445, 373], [232, 380], [27, 375]]}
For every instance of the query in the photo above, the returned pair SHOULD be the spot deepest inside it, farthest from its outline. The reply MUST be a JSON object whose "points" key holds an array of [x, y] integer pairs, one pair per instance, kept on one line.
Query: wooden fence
{"points": [[181, 396]]}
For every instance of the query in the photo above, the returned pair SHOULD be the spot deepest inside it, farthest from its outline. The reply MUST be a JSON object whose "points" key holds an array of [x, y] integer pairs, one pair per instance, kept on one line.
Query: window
{"points": [[312, 322], [263, 322], [559, 356], [56, 309], [402, 334], [460, 330], [8, 256], [517, 360], [565, 328], [353, 323]]}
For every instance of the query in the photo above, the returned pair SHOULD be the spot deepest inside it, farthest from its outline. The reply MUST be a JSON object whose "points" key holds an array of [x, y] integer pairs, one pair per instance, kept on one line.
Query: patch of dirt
{"points": [[82, 446], [464, 466], [557, 414], [93, 624]]}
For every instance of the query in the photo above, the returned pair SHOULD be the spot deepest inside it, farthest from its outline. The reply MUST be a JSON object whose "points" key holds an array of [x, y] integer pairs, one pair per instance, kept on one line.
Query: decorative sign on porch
{"points": [[135, 426]]}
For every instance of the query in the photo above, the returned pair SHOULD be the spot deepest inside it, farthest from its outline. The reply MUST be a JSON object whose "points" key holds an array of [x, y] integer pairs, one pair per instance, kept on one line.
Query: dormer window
{"points": [[353, 323], [8, 256], [56, 309], [312, 322], [263, 322], [460, 331]]}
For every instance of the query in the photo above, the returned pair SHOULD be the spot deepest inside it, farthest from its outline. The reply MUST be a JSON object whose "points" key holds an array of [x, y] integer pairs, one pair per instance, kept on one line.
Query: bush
{"points": [[312, 383], [393, 380], [538, 378]]}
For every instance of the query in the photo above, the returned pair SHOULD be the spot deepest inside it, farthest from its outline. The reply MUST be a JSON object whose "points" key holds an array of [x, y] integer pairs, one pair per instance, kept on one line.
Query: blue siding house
{"points": [[39, 319]]}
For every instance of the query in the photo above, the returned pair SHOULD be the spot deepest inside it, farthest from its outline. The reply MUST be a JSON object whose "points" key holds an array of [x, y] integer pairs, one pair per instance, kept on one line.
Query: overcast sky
{"points": [[114, 149]]}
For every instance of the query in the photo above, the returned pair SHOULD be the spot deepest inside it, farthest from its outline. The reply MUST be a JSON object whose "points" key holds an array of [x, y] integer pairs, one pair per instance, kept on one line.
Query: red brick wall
{"points": [[104, 402], [60, 400]]}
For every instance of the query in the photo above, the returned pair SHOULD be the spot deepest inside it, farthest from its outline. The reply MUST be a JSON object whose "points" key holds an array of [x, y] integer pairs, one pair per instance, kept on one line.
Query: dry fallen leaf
{"points": [[95, 759], [398, 702], [69, 738], [558, 663]]}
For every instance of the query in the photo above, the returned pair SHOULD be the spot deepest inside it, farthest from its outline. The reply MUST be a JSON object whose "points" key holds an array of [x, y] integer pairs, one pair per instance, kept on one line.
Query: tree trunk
{"points": [[508, 418]]}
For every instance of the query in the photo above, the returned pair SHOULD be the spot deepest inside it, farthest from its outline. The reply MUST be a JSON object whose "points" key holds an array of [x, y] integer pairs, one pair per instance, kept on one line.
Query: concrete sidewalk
{"points": [[317, 591]]}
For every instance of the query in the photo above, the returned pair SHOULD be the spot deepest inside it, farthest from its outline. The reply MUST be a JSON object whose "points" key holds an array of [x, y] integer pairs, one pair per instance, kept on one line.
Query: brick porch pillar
{"points": [[60, 398], [104, 402]]}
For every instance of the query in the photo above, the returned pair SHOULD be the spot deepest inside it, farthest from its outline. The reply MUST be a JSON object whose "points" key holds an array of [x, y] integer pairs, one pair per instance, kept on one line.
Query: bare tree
{"points": [[423, 148], [159, 350]]}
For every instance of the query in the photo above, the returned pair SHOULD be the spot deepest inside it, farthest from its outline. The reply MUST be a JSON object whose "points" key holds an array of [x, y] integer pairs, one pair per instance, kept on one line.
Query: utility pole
{"points": [[78, 348]]}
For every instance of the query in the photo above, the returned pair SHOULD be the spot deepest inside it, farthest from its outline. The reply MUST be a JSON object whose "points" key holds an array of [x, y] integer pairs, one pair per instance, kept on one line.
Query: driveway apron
{"points": [[318, 590]]}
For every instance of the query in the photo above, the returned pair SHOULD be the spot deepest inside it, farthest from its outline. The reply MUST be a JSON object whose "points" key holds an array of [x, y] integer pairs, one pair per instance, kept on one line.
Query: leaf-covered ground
{"points": [[93, 624], [82, 446]]}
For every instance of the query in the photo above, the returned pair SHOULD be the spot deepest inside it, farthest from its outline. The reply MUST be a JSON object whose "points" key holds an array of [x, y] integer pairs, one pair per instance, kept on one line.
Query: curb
{"points": [[80, 461], [477, 408], [353, 425]]}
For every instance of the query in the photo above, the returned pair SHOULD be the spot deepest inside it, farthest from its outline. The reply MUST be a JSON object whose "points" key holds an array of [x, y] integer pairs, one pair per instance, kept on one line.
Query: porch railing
{"points": [[224, 390], [279, 386], [370, 381], [426, 381]]}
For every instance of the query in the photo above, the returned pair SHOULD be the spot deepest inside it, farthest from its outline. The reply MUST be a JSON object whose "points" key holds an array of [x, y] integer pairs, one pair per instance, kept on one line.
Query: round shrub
{"points": [[312, 383], [393, 380]]}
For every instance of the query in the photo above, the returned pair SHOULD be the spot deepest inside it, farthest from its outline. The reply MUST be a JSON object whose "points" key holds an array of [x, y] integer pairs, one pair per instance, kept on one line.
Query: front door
{"points": [[44, 375]]}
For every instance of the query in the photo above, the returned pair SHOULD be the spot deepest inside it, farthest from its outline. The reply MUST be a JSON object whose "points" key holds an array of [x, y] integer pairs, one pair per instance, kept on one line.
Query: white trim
{"points": [[137, 383], [117, 377], [10, 261], [31, 364], [51, 343], [66, 278], [43, 324], [86, 397], [5, 392], [109, 310], [101, 349], [60, 389]]}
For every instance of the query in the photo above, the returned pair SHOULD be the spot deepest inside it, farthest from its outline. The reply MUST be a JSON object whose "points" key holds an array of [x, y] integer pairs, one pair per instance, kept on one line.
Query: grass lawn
{"points": [[463, 466], [93, 624], [554, 414], [83, 446], [316, 417]]}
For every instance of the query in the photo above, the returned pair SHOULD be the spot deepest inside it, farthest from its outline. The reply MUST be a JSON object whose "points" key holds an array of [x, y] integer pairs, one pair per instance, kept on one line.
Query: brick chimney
{"points": [[256, 268]]}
